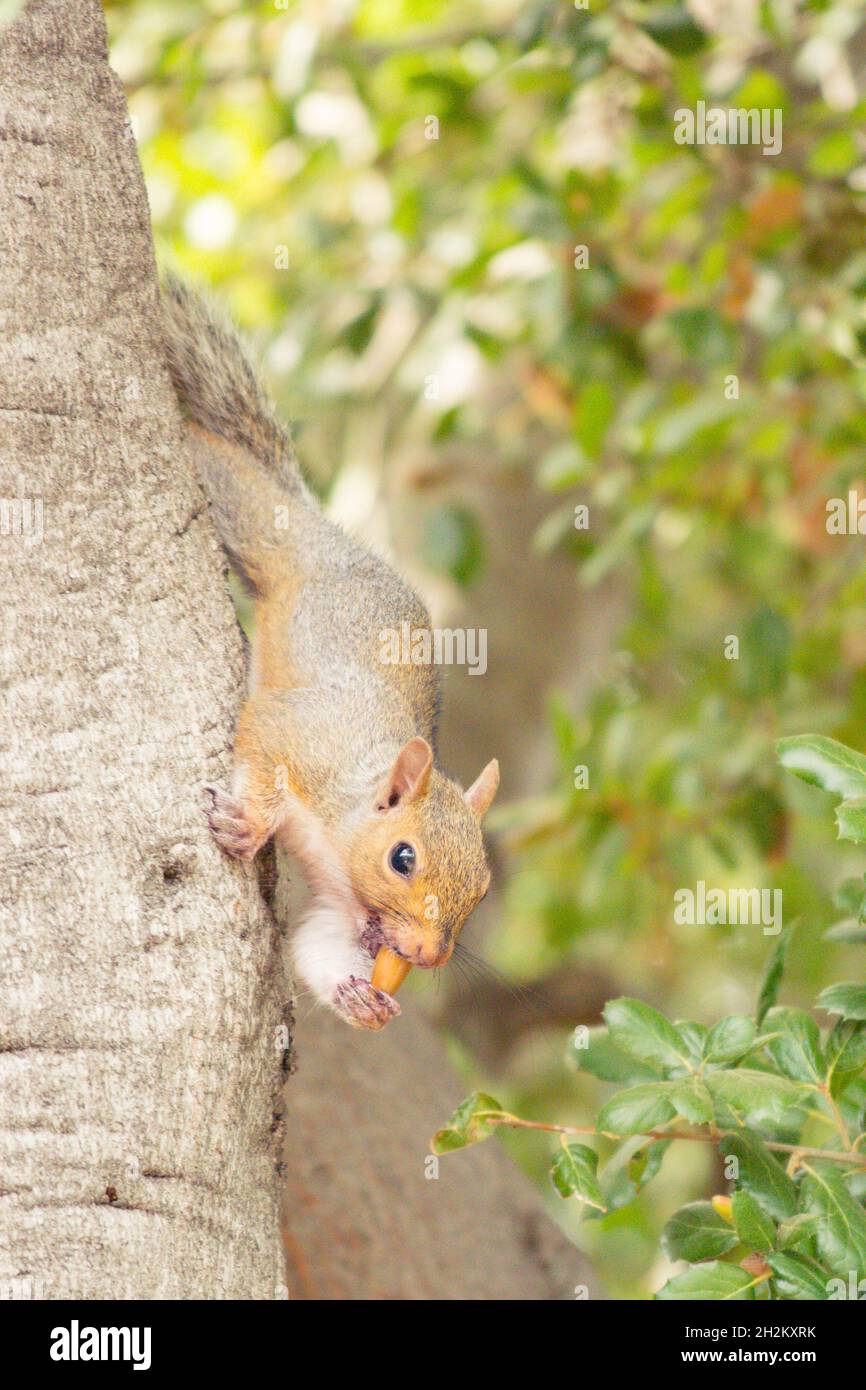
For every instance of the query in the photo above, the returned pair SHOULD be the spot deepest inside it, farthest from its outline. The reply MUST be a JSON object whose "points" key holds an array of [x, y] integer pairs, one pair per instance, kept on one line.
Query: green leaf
{"points": [[452, 544], [646, 1162], [825, 763], [693, 1036], [646, 1034], [564, 467], [772, 981], [796, 1050], [796, 1277], [841, 1233], [697, 1232], [849, 897], [849, 930], [574, 1174], [846, 1053], [764, 815], [602, 1058], [702, 330], [753, 1226], [673, 28], [617, 546], [760, 1174], [849, 1000], [714, 1282], [747, 1097], [692, 1100], [631, 1169], [729, 1039], [681, 427], [767, 653], [851, 821], [358, 334], [852, 1107], [798, 1231], [592, 416], [467, 1125], [638, 1109], [554, 529], [834, 155]]}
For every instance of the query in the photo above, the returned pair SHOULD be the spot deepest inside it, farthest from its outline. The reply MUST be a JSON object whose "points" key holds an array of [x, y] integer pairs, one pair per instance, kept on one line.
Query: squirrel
{"points": [[334, 750]]}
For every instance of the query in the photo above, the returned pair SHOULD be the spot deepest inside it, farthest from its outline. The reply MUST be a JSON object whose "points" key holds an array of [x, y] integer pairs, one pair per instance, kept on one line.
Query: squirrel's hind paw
{"points": [[363, 1006], [229, 825]]}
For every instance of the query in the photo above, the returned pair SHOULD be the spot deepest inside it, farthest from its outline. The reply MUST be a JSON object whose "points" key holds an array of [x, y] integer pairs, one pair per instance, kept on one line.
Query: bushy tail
{"points": [[244, 455]]}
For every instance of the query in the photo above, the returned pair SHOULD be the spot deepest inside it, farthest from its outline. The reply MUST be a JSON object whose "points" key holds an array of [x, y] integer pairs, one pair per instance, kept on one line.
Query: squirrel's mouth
{"points": [[373, 938]]}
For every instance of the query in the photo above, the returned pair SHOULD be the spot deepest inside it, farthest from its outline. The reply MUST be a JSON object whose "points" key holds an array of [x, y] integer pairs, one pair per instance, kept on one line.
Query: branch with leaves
{"points": [[784, 1102]]}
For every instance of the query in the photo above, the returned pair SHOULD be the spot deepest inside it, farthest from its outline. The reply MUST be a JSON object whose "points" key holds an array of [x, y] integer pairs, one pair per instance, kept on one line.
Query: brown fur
{"points": [[326, 720], [428, 911]]}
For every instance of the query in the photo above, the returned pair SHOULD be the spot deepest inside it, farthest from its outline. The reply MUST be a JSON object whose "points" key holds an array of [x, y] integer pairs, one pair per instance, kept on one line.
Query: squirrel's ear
{"points": [[410, 775], [483, 789]]}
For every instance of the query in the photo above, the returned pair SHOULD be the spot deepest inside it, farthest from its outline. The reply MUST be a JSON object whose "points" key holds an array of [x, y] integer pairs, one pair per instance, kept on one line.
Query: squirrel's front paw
{"points": [[229, 824], [362, 1006]]}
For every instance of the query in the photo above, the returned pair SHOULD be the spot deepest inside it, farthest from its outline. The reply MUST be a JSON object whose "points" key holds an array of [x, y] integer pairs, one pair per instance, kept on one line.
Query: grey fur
{"points": [[276, 535], [216, 384]]}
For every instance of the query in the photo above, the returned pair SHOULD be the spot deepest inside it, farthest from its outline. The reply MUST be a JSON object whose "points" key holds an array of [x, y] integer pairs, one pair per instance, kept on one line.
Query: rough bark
{"points": [[139, 970]]}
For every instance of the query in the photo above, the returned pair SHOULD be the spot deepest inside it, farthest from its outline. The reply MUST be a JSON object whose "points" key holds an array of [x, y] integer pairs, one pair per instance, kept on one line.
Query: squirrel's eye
{"points": [[402, 859]]}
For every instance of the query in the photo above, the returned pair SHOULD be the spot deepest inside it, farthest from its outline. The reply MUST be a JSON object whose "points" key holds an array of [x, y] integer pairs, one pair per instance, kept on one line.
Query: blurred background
{"points": [[488, 287]]}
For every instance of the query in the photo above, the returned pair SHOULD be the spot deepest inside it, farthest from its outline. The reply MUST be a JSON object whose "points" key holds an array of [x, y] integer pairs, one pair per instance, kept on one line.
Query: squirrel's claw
{"points": [[363, 1006], [229, 825]]}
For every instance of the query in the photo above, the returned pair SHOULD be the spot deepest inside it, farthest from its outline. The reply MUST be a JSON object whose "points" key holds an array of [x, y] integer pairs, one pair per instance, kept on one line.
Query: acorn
{"points": [[389, 970]]}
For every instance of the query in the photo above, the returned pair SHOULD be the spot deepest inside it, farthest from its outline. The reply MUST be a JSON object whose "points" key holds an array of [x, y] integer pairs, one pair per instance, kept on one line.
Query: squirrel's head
{"points": [[417, 860]]}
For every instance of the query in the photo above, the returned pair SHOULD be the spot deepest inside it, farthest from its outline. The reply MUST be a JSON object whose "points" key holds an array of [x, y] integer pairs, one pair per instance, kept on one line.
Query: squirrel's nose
{"points": [[433, 953]]}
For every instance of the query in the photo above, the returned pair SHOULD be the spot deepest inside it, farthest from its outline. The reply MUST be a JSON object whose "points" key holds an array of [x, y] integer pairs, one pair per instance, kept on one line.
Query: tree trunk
{"points": [[139, 970]]}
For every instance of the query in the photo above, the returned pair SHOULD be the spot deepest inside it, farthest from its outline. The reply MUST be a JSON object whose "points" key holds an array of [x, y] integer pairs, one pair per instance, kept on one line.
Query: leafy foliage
{"points": [[786, 1106]]}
